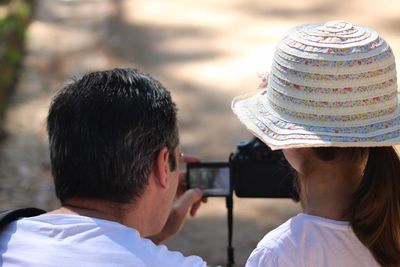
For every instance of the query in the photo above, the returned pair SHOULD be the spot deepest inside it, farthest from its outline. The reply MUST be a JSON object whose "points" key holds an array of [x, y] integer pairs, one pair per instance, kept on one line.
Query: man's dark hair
{"points": [[105, 131]]}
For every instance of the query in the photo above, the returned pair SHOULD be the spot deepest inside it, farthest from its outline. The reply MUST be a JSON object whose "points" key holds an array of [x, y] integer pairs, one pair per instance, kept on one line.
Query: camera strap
{"points": [[8, 216], [230, 250]]}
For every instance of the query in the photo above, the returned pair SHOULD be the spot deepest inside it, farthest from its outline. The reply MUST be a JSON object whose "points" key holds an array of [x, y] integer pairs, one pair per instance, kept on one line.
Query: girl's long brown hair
{"points": [[375, 209]]}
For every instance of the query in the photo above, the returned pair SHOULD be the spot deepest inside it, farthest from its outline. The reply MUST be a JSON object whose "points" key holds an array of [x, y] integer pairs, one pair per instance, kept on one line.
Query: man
{"points": [[114, 154]]}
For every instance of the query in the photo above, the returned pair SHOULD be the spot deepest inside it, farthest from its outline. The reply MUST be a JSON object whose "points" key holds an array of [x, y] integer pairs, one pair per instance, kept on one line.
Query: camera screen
{"points": [[212, 178]]}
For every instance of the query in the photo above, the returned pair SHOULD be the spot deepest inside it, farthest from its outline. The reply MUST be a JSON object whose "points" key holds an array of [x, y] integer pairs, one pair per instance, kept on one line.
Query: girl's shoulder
{"points": [[287, 237]]}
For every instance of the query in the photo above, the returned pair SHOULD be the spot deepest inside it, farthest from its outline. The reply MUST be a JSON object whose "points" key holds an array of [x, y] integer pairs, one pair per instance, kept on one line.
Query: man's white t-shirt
{"points": [[311, 241], [72, 240]]}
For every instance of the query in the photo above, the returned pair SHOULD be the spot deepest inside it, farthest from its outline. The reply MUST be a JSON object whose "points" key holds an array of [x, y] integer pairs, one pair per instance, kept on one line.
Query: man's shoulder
{"points": [[73, 236]]}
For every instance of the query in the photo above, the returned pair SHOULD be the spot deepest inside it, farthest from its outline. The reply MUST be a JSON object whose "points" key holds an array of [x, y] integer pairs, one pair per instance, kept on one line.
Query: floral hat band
{"points": [[331, 84]]}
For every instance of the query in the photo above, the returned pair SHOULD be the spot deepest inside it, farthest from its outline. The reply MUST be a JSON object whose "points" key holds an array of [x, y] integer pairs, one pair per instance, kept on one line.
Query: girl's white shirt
{"points": [[311, 241]]}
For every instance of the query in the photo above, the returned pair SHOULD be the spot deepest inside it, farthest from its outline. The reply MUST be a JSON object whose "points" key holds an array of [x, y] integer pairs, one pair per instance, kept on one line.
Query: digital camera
{"points": [[253, 171]]}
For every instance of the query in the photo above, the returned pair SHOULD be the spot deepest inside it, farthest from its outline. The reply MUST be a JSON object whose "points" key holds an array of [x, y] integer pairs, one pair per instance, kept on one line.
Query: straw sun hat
{"points": [[331, 84]]}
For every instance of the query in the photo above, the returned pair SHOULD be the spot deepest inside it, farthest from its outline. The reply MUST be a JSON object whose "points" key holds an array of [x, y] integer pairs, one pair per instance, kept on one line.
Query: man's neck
{"points": [[134, 215], [96, 208]]}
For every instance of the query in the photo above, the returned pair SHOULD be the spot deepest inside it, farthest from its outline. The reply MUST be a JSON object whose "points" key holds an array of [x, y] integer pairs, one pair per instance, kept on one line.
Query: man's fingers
{"points": [[187, 199], [190, 197], [182, 174], [194, 208], [189, 159]]}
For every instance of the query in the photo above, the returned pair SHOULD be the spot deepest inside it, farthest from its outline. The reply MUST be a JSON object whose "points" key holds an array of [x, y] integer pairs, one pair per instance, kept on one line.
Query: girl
{"points": [[330, 102]]}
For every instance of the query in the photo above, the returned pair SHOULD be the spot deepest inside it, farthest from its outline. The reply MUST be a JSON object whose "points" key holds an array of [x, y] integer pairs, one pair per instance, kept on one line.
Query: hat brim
{"points": [[279, 132]]}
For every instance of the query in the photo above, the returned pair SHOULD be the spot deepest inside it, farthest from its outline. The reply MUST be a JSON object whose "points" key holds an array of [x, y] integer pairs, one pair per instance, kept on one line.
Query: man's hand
{"points": [[182, 187], [185, 201], [191, 199]]}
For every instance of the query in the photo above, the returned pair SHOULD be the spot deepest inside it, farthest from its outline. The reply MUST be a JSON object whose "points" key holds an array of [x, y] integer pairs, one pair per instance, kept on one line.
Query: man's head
{"points": [[106, 130]]}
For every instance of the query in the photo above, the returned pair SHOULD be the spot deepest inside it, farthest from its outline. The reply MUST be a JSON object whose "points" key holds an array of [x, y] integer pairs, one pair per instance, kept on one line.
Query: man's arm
{"points": [[188, 202], [185, 201]]}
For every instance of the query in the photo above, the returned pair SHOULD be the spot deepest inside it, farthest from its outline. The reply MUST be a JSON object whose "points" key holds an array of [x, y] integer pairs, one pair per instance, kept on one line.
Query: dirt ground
{"points": [[206, 52]]}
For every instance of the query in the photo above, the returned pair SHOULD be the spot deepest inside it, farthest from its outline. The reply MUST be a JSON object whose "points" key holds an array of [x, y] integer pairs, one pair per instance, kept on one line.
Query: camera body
{"points": [[258, 172], [253, 171]]}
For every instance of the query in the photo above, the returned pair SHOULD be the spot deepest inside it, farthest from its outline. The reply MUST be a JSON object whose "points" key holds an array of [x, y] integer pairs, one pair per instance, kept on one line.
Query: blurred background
{"points": [[205, 52]]}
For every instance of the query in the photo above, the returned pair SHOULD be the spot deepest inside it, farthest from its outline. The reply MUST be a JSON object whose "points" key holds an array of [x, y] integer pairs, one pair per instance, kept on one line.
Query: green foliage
{"points": [[12, 32]]}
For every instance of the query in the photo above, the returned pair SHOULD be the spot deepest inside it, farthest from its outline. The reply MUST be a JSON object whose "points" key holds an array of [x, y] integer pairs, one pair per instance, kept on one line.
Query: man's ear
{"points": [[161, 167]]}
